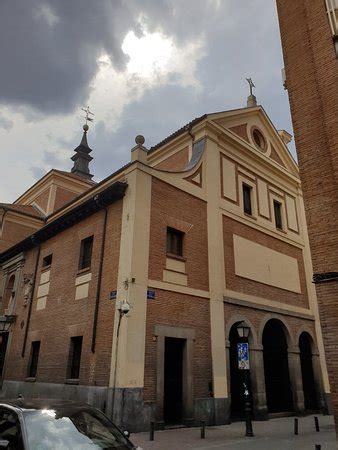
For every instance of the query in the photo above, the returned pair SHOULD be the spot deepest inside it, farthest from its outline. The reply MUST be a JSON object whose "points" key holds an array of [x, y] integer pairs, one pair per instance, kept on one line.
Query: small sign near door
{"points": [[243, 356]]}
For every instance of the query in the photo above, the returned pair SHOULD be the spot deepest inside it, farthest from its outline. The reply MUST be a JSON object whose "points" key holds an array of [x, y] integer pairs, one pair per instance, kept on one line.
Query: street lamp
{"points": [[243, 330], [6, 322]]}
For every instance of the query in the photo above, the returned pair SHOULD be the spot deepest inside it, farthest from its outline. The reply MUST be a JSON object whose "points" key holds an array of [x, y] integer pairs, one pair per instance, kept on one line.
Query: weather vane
{"points": [[86, 116], [249, 80]]}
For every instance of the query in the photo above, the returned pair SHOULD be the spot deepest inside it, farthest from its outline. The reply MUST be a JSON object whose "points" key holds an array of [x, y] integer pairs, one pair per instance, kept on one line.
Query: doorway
{"points": [[309, 386], [173, 380], [276, 368]]}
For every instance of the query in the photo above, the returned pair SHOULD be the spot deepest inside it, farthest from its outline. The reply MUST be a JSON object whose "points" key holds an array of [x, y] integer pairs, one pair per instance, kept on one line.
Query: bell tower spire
{"points": [[82, 158]]}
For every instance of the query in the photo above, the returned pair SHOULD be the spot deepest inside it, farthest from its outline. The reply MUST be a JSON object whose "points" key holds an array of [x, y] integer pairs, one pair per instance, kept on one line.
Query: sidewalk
{"points": [[275, 434]]}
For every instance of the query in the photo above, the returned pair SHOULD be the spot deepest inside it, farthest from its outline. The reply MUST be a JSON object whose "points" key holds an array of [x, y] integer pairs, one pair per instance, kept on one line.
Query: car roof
{"points": [[42, 403]]}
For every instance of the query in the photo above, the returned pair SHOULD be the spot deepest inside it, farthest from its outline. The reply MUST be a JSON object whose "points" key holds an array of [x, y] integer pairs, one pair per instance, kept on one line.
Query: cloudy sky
{"points": [[144, 67]]}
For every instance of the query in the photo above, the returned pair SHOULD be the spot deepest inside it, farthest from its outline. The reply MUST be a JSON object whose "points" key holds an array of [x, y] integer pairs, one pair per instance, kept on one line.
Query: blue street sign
{"points": [[243, 356], [150, 294], [112, 295]]}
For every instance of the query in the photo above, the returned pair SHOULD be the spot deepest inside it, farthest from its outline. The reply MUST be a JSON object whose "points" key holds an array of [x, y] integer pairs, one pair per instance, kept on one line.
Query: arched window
{"points": [[8, 293]]}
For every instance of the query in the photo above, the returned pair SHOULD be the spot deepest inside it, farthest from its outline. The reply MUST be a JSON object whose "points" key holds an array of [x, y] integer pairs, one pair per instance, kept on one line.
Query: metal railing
{"points": [[332, 13]]}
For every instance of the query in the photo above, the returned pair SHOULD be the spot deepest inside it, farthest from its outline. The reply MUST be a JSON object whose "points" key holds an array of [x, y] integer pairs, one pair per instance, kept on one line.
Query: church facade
{"points": [[127, 293]]}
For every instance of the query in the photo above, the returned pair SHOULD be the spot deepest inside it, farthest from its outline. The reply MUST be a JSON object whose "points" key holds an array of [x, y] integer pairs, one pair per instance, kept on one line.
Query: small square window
{"points": [[47, 260], [86, 253], [277, 207], [74, 359], [247, 199], [175, 241], [33, 359]]}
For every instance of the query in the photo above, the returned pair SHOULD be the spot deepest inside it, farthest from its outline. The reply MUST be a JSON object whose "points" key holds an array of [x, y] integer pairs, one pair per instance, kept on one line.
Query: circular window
{"points": [[258, 139]]}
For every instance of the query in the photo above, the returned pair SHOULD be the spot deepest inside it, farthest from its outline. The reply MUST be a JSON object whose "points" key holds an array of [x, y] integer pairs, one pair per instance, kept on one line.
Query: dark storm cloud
{"points": [[49, 48]]}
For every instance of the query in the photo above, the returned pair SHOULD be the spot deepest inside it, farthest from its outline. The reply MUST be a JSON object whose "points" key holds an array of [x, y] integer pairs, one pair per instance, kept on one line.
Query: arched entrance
{"points": [[276, 367], [309, 385], [236, 376]]}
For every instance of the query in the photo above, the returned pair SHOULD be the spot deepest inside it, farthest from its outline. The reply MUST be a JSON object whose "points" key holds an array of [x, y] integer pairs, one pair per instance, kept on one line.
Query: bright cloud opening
{"points": [[148, 54]]}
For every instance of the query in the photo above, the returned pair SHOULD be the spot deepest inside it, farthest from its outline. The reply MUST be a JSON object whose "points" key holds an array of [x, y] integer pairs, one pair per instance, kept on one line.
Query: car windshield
{"points": [[73, 429]]}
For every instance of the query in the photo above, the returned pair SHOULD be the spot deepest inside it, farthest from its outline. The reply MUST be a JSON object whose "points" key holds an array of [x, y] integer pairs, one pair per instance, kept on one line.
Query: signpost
{"points": [[244, 364]]}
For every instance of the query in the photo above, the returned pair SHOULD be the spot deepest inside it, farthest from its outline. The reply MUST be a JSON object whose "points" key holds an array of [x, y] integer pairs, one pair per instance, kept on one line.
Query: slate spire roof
{"points": [[82, 158]]}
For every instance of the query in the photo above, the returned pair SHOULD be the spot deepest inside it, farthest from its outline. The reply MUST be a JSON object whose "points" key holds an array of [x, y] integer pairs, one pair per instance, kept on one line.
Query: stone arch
{"points": [[310, 371], [307, 330], [276, 340], [236, 318], [288, 334], [235, 381]]}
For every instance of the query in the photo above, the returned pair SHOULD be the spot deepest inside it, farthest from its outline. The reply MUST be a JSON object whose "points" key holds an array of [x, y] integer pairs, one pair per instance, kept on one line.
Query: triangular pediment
{"points": [[254, 128]]}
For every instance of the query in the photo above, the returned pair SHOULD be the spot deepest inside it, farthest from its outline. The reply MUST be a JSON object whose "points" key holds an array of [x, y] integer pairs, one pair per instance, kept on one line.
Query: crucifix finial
{"points": [[249, 80], [86, 116], [251, 99]]}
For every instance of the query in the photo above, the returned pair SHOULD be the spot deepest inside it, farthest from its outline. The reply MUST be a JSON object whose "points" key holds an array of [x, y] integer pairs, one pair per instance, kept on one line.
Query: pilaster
{"points": [[128, 348], [296, 382], [216, 272]]}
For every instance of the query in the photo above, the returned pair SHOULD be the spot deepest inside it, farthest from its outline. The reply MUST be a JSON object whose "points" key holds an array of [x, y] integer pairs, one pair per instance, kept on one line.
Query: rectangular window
{"points": [[86, 253], [33, 359], [74, 359], [47, 260], [174, 242], [277, 207], [247, 199]]}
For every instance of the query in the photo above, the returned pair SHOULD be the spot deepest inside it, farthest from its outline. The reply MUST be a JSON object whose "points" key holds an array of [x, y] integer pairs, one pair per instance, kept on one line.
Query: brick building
{"points": [[309, 33], [195, 235]]}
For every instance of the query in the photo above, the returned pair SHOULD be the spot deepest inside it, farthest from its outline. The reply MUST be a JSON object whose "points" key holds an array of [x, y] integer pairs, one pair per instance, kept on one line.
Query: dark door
{"points": [[173, 380], [309, 387], [276, 368], [3, 348]]}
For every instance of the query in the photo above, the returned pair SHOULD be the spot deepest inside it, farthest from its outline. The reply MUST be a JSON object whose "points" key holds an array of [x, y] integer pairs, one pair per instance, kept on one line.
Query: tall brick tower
{"points": [[309, 39]]}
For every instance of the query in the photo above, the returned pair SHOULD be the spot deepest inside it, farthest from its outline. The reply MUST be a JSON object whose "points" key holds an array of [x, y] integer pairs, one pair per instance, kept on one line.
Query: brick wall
{"points": [[177, 209], [12, 233], [64, 316], [42, 199], [179, 310], [62, 197], [311, 72], [176, 162]]}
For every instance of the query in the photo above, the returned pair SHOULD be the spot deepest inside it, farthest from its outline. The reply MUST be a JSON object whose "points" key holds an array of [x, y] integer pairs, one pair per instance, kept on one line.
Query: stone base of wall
{"points": [[214, 411], [94, 395], [328, 408], [130, 410]]}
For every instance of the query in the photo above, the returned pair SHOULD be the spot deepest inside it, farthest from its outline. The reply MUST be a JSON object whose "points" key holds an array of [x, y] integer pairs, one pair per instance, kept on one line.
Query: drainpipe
{"points": [[99, 281], [31, 299]]}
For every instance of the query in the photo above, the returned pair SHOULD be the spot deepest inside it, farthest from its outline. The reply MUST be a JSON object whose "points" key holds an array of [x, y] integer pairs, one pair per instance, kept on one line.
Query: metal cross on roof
{"points": [[249, 80], [87, 114]]}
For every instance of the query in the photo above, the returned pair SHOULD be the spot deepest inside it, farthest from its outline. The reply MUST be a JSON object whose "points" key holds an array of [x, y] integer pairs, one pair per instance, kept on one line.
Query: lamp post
{"points": [[6, 322], [243, 330]]}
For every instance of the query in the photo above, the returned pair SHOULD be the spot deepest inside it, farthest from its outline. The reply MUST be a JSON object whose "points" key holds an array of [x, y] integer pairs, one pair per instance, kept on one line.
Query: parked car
{"points": [[40, 424]]}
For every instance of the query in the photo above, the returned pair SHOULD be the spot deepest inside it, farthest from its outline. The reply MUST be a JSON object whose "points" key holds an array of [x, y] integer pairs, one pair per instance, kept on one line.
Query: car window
{"points": [[74, 430], [10, 429]]}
